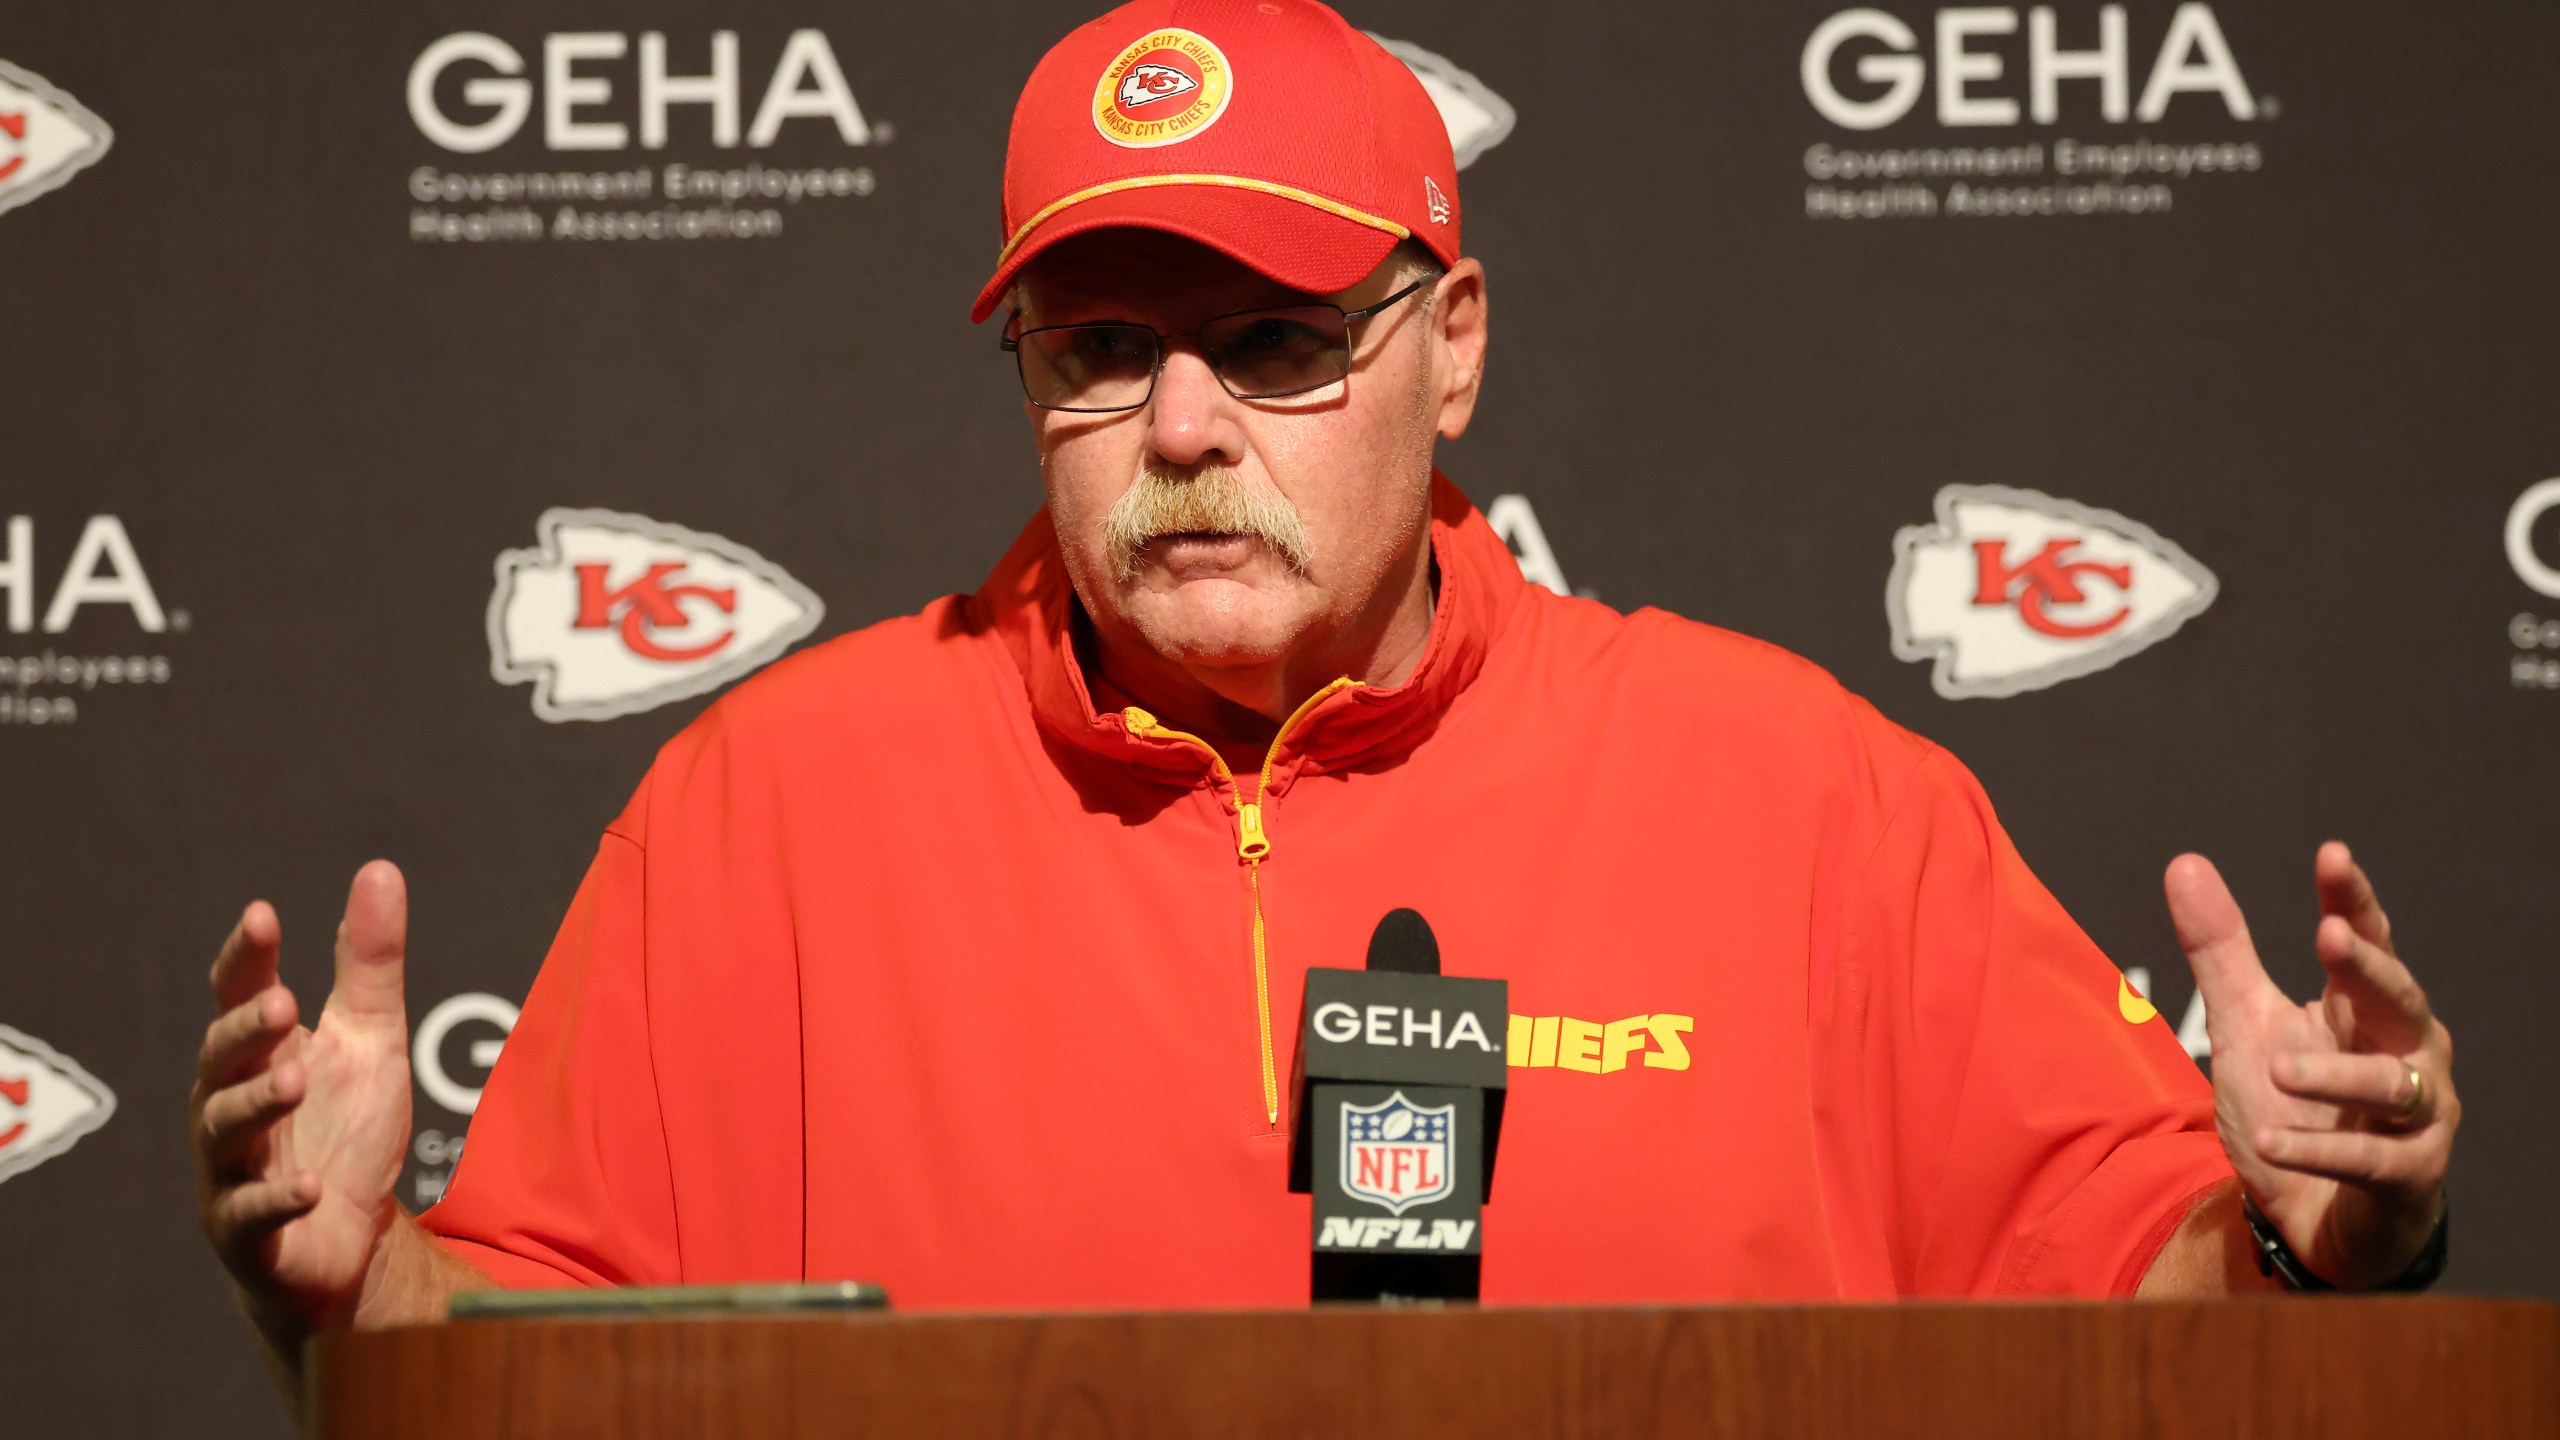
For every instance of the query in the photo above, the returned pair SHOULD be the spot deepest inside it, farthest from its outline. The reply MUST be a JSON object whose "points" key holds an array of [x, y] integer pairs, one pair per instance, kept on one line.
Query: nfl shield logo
{"points": [[1396, 1153]]}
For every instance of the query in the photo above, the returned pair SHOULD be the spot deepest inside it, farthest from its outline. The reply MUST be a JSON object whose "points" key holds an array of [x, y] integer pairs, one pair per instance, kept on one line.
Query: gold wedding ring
{"points": [[2413, 1109]]}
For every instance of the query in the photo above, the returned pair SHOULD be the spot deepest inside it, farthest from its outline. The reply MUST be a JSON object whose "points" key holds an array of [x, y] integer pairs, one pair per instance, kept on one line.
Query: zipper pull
{"points": [[1139, 721], [1251, 842]]}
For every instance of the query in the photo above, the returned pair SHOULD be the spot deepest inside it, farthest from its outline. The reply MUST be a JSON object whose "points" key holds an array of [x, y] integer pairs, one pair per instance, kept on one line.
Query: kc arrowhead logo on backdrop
{"points": [[47, 1102], [614, 614], [1478, 119], [2012, 590], [46, 137]]}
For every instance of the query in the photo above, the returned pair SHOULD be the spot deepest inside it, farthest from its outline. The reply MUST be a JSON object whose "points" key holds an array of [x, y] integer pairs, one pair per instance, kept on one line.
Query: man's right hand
{"points": [[299, 1132]]}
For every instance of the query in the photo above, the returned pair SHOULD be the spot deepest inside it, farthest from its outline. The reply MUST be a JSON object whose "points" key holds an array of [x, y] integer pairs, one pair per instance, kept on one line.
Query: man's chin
{"points": [[1216, 622]]}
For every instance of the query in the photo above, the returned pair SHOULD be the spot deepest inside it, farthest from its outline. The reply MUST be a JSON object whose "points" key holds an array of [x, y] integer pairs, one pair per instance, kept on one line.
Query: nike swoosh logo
{"points": [[2132, 1006]]}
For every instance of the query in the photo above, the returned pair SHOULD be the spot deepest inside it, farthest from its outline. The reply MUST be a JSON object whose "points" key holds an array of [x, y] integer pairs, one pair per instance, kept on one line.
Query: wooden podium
{"points": [[2332, 1368]]}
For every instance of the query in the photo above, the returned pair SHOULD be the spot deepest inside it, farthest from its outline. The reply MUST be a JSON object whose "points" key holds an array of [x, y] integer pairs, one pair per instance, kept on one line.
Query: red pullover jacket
{"points": [[905, 965]]}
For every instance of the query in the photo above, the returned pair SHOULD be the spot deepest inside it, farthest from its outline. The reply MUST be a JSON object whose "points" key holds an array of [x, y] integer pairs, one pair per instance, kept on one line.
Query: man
{"points": [[958, 953]]}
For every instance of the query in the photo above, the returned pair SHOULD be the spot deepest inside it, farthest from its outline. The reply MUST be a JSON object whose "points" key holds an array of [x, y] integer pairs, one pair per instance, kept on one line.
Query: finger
{"points": [[2381, 1086], [373, 942], [238, 1043], [246, 963], [245, 1214], [2354, 1157], [2346, 891], [237, 1119], [2213, 933], [2390, 1008]]}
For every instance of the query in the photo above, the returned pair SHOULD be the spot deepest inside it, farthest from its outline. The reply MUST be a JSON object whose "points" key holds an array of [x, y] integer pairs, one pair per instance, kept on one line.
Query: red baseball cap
{"points": [[1270, 130]]}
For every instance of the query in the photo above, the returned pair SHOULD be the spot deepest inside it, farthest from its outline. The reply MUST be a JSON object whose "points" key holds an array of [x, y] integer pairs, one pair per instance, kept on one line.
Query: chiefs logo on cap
{"points": [[1169, 86]]}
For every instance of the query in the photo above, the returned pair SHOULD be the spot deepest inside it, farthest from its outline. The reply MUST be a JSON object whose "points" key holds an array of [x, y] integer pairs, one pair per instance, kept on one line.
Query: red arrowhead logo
{"points": [[2014, 590], [46, 137], [54, 1101], [660, 613]]}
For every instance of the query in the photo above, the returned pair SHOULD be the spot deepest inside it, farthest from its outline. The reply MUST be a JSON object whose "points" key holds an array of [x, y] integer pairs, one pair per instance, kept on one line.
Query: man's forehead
{"points": [[1130, 266]]}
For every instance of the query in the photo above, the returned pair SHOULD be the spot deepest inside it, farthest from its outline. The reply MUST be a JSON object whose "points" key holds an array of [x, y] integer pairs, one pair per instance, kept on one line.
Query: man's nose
{"points": [[1191, 419]]}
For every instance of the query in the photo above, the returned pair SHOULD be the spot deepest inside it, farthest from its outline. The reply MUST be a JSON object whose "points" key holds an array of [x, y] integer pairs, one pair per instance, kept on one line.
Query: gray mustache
{"points": [[1217, 499]]}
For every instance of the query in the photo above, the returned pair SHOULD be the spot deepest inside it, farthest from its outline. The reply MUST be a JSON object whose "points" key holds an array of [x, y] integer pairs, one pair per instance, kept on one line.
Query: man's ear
{"points": [[1458, 329]]}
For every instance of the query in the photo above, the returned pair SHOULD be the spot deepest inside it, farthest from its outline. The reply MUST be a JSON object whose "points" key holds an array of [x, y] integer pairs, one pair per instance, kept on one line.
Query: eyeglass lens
{"points": [[1260, 355]]}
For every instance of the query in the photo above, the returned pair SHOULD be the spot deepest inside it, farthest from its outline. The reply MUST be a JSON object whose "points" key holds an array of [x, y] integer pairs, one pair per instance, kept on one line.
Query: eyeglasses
{"points": [[1256, 355]]}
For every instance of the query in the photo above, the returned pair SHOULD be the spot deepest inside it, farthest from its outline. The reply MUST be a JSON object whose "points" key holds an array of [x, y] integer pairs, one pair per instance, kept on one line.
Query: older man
{"points": [[956, 953]]}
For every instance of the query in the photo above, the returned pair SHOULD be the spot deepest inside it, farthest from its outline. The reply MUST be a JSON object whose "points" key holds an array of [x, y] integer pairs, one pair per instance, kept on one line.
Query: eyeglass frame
{"points": [[1011, 341]]}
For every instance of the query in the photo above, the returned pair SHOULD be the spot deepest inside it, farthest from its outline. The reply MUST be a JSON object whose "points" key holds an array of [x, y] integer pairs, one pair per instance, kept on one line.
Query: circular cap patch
{"points": [[1169, 86]]}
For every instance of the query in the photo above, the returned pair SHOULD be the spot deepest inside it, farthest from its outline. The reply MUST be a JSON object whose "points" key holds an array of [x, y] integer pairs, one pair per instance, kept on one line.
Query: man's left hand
{"points": [[2338, 1114]]}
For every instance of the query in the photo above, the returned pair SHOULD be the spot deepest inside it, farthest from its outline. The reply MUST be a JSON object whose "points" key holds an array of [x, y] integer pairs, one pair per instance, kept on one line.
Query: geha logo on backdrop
{"points": [[451, 1053], [2533, 552], [101, 576], [612, 614], [46, 137], [47, 1102], [2012, 590], [1867, 69], [472, 93]]}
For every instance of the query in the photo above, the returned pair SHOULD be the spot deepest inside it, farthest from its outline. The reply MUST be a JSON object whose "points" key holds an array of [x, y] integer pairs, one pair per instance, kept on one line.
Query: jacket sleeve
{"points": [[2038, 1130], [565, 1178]]}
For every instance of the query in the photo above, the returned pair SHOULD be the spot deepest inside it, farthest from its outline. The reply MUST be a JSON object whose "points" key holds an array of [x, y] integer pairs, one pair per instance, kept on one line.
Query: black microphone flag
{"points": [[1396, 1095]]}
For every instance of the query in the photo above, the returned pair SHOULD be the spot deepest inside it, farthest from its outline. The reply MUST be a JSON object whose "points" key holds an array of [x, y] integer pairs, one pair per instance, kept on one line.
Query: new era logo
{"points": [[2012, 590], [613, 614], [47, 1102], [46, 137]]}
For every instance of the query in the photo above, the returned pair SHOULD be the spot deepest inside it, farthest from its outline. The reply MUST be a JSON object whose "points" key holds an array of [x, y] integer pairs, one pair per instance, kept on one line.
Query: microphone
{"points": [[1403, 942], [1396, 1096]]}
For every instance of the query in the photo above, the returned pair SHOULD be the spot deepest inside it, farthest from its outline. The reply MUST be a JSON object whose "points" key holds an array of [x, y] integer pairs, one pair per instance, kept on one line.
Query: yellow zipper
{"points": [[1253, 843]]}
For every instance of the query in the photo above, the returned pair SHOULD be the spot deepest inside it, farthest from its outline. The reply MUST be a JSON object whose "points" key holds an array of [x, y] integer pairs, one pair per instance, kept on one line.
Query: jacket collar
{"points": [[1029, 602]]}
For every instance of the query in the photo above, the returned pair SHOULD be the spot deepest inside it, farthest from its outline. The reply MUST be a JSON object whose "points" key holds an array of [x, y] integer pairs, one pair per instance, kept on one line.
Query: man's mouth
{"points": [[1202, 550]]}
